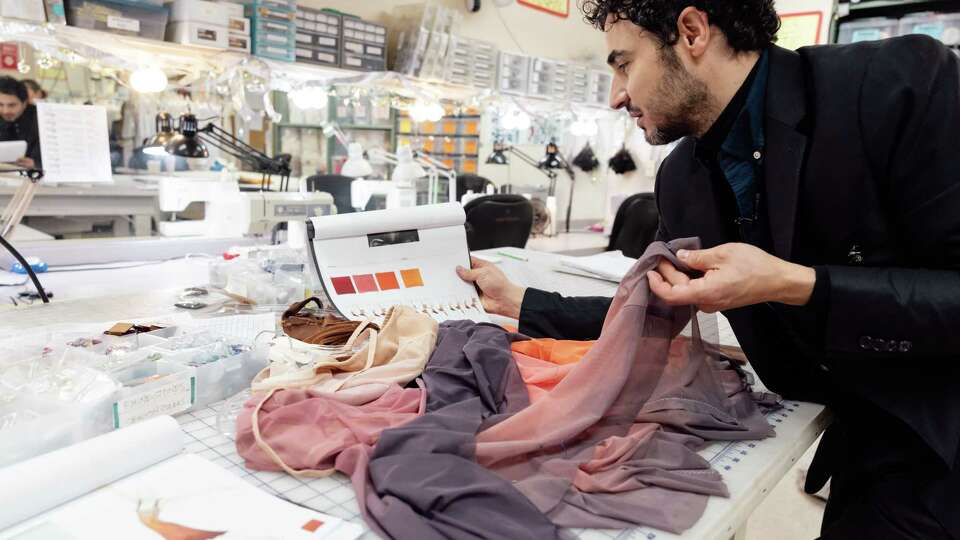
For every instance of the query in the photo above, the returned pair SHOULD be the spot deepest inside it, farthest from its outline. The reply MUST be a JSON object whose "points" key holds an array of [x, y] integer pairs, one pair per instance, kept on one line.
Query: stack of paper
{"points": [[608, 266]]}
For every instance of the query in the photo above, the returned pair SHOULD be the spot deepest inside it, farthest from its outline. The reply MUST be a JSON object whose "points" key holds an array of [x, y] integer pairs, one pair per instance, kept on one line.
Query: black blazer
{"points": [[861, 179]]}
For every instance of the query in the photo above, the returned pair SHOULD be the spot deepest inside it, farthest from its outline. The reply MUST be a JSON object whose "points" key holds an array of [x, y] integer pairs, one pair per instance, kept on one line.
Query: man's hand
{"points": [[500, 296], [26, 163], [735, 275]]}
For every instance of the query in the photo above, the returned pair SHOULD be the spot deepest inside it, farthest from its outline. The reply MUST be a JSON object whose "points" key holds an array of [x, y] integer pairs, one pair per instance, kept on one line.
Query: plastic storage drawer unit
{"points": [[867, 30]]}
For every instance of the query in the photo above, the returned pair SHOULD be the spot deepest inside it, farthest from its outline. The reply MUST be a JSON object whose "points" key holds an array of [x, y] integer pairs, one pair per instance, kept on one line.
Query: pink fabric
{"points": [[540, 376], [309, 431], [613, 441]]}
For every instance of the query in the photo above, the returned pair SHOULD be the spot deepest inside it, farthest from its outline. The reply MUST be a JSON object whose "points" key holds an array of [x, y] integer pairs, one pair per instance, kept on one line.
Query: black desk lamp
{"points": [[156, 145], [189, 143], [548, 165]]}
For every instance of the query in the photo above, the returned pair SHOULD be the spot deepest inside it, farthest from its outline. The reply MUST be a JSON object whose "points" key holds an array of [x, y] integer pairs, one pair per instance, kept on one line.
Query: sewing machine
{"points": [[229, 212]]}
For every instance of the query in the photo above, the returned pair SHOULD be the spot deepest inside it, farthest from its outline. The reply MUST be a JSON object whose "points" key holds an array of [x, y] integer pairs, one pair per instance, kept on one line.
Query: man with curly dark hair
{"points": [[824, 185]]}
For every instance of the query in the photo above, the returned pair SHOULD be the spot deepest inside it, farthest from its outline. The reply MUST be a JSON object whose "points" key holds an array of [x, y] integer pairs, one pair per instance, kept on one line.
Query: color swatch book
{"points": [[134, 483], [371, 261]]}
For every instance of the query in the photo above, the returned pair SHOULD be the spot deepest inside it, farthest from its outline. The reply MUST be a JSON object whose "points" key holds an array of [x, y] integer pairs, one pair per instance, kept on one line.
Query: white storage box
{"points": [[199, 11], [201, 35]]}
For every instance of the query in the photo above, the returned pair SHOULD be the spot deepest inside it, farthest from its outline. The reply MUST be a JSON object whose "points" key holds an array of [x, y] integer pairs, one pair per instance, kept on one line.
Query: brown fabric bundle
{"points": [[314, 329]]}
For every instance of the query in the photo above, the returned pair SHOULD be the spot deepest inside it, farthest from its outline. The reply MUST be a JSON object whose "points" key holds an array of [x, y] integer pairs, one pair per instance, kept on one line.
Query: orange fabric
{"points": [[553, 350], [543, 363]]}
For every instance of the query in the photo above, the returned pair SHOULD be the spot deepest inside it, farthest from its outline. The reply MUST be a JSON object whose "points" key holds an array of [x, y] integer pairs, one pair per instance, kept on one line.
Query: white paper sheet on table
{"points": [[137, 476]]}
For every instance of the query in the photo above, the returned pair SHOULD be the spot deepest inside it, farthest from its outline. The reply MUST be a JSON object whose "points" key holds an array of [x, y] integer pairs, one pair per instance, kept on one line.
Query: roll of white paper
{"points": [[45, 482]]}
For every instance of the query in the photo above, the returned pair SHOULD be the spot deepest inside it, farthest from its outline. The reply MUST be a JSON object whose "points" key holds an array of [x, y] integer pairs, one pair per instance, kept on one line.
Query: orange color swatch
{"points": [[312, 525], [412, 278], [388, 281]]}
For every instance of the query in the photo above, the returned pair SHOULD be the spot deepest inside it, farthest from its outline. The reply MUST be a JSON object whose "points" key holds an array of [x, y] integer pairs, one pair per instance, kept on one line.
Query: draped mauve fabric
{"points": [[590, 453]]}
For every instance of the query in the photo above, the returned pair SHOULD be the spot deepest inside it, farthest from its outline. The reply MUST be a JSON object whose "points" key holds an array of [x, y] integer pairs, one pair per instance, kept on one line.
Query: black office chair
{"points": [[472, 182], [336, 185], [498, 221], [635, 226]]}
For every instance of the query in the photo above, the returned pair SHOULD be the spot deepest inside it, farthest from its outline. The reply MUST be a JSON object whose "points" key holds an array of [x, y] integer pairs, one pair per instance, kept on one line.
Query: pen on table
{"points": [[513, 256]]}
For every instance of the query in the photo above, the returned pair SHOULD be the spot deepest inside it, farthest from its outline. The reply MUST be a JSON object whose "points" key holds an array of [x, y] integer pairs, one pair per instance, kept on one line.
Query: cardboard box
{"points": [[200, 35]]}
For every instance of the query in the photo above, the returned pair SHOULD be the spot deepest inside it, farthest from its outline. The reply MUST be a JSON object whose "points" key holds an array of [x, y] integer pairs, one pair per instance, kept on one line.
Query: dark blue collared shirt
{"points": [[741, 154]]}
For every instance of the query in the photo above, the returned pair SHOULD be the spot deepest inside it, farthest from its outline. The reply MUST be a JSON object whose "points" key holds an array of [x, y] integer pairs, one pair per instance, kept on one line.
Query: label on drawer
{"points": [[327, 42], [353, 47], [123, 23], [206, 34], [171, 398]]}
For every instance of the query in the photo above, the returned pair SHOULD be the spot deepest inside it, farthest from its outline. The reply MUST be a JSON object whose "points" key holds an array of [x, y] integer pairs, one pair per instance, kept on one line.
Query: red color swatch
{"points": [[312, 525], [365, 283], [388, 281], [343, 285]]}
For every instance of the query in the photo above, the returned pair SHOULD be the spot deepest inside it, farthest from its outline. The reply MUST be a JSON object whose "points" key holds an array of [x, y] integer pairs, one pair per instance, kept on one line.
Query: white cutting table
{"points": [[750, 469]]}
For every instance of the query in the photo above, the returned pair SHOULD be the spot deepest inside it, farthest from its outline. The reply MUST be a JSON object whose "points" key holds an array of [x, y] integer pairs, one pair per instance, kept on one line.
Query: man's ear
{"points": [[693, 31]]}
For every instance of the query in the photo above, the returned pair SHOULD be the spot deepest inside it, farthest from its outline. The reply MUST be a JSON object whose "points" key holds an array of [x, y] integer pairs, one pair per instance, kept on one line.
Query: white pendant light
{"points": [[148, 80]]}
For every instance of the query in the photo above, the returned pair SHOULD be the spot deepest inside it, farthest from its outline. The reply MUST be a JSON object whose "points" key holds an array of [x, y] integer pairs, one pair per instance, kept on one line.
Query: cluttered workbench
{"points": [[750, 468]]}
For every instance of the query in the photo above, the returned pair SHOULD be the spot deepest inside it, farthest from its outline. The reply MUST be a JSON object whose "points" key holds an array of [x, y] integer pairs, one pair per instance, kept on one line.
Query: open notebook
{"points": [[135, 483], [371, 261]]}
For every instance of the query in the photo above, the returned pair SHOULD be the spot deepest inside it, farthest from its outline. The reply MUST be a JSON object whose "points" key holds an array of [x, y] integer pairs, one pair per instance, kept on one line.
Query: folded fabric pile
{"points": [[499, 436]]}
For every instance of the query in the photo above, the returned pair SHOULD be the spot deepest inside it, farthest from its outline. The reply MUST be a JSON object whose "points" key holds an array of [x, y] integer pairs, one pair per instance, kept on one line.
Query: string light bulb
{"points": [[423, 111]]}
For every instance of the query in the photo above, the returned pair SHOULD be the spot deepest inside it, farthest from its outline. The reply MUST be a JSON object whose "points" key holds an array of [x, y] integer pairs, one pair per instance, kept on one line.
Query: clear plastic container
{"points": [[944, 27], [153, 388], [223, 366], [867, 30], [133, 19]]}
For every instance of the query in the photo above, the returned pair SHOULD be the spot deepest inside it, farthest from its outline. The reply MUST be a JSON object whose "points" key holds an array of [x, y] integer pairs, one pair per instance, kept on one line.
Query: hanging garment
{"points": [[622, 162], [302, 433], [586, 160], [395, 354]]}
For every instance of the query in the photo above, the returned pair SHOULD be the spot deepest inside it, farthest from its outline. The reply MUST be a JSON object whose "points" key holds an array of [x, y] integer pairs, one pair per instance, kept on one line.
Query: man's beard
{"points": [[682, 101]]}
